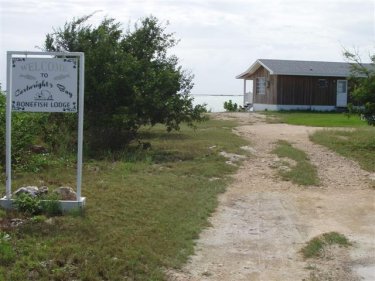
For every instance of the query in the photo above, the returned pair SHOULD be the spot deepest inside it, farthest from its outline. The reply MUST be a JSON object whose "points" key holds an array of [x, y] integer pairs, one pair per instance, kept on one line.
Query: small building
{"points": [[297, 85]]}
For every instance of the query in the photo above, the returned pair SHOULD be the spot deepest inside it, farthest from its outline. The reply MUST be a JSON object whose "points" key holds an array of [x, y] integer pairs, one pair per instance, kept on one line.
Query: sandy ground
{"points": [[262, 222]]}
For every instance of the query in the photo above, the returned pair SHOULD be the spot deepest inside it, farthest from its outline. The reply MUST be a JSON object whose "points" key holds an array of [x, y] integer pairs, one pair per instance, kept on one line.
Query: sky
{"points": [[219, 38]]}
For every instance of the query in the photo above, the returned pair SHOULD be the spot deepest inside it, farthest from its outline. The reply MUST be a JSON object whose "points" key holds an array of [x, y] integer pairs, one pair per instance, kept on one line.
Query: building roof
{"points": [[300, 68]]}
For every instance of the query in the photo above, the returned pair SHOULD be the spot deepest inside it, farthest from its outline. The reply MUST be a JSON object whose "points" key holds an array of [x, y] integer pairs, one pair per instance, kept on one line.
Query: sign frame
{"points": [[81, 78]]}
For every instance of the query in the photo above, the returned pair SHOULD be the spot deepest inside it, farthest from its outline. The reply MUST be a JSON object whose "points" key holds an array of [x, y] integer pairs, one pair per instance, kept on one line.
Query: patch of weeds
{"points": [[358, 144], [313, 248], [316, 245], [303, 172], [39, 218], [3, 213], [7, 254], [31, 206], [27, 204], [336, 238], [51, 206], [76, 212]]}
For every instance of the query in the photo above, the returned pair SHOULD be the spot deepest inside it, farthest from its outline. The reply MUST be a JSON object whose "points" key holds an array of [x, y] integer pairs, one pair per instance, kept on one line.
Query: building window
{"points": [[260, 87], [323, 83], [342, 86]]}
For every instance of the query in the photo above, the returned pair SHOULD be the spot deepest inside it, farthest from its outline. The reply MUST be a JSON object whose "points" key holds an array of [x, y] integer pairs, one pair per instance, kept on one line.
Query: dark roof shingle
{"points": [[300, 68], [315, 68]]}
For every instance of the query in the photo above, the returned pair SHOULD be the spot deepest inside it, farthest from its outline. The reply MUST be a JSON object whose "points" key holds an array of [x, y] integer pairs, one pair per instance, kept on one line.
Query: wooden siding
{"points": [[306, 90], [271, 87], [295, 90]]}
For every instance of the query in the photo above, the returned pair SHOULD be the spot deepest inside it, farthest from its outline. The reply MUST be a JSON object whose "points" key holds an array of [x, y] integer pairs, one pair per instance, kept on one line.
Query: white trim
{"points": [[266, 67], [27, 53], [65, 205], [80, 122], [244, 92], [276, 107], [259, 85]]}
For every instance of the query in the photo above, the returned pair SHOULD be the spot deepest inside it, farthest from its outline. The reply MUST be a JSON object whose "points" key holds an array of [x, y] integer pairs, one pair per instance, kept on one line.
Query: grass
{"points": [[358, 144], [143, 212], [315, 119], [315, 246], [303, 172]]}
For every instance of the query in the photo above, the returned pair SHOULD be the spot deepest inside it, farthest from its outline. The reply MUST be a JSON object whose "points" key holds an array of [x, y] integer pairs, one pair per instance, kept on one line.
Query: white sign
{"points": [[44, 84]]}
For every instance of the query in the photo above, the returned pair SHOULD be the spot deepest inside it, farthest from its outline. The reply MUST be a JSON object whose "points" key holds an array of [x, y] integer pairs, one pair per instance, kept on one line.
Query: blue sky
{"points": [[219, 38]]}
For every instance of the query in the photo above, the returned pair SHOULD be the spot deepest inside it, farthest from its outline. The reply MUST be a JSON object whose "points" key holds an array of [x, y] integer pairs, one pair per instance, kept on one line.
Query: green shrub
{"points": [[230, 106], [27, 204]]}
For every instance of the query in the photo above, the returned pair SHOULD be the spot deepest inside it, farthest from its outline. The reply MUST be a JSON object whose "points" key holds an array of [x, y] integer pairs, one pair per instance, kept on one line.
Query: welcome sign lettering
{"points": [[44, 84]]}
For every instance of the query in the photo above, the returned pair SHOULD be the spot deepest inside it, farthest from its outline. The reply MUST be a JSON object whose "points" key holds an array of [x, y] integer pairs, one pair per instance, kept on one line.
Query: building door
{"points": [[342, 93]]}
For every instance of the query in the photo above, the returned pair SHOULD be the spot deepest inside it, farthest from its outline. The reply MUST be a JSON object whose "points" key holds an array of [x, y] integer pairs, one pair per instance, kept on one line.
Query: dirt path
{"points": [[262, 222]]}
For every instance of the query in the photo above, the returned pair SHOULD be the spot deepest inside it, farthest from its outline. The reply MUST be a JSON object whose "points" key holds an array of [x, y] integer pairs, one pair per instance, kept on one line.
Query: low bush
{"points": [[27, 204], [230, 106]]}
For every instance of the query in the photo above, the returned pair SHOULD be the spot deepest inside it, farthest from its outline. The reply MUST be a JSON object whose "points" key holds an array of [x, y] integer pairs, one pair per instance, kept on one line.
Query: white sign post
{"points": [[44, 82]]}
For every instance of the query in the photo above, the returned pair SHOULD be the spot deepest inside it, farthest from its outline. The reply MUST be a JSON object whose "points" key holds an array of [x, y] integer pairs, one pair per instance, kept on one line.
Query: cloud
{"points": [[219, 38]]}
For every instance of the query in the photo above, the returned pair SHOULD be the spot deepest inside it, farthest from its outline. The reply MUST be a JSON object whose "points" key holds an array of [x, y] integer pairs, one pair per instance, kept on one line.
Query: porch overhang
{"points": [[251, 70]]}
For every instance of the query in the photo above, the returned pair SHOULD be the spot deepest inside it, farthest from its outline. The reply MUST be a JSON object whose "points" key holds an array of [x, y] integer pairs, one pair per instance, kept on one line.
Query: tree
{"points": [[131, 80], [363, 81]]}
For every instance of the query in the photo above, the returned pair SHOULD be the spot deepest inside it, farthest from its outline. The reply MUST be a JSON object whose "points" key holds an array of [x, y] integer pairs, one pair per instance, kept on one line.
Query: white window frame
{"points": [[260, 85]]}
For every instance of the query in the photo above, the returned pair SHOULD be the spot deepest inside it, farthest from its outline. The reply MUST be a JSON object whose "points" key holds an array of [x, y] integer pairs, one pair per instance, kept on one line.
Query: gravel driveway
{"points": [[262, 222]]}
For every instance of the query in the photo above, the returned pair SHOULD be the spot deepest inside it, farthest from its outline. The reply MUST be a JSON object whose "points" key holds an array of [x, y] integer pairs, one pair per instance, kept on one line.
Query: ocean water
{"points": [[216, 103]]}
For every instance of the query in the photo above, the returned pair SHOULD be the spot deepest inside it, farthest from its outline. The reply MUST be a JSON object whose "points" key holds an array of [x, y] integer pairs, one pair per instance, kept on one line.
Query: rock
{"points": [[43, 190], [33, 191], [38, 149], [232, 157], [249, 148], [285, 169], [49, 221], [213, 179], [66, 193], [16, 222]]}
